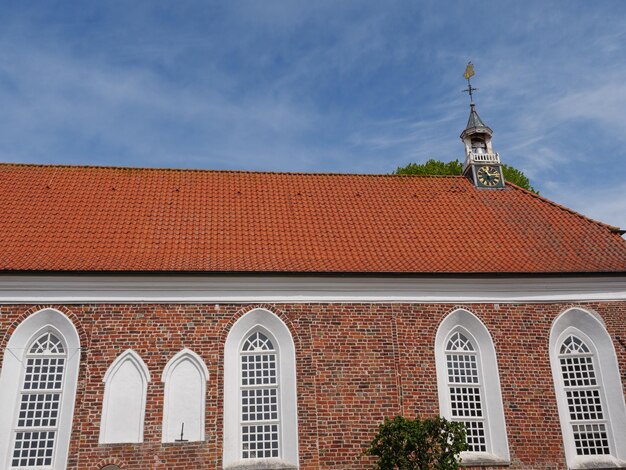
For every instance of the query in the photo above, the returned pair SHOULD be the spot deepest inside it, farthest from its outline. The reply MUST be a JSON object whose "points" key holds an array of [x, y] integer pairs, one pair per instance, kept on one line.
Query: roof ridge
{"points": [[562, 207], [208, 170]]}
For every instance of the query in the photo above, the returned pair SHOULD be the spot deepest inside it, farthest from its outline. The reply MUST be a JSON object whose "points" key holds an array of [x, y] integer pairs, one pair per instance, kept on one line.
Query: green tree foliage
{"points": [[431, 167], [516, 176], [419, 444], [437, 167]]}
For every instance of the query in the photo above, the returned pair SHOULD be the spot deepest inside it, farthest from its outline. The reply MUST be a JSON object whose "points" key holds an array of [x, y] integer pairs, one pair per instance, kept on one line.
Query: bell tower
{"points": [[482, 165]]}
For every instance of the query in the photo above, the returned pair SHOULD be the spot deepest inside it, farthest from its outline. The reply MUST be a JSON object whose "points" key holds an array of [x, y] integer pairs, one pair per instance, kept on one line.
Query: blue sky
{"points": [[320, 86]]}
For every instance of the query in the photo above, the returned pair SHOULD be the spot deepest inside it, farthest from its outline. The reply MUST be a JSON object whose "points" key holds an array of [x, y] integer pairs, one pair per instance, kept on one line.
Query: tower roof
{"points": [[475, 124]]}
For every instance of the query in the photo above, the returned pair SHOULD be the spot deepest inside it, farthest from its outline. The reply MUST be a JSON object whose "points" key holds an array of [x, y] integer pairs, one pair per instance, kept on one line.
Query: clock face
{"points": [[488, 176]]}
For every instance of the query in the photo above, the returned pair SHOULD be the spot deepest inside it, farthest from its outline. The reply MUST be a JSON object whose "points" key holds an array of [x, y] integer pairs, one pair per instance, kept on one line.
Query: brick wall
{"points": [[356, 364]]}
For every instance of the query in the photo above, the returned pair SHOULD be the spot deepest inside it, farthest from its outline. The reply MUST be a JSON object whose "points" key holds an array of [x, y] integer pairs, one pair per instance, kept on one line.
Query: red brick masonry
{"points": [[356, 364]]}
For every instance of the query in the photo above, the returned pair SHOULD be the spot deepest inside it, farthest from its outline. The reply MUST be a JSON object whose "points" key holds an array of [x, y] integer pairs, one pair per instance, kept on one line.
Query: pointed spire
{"points": [[482, 165], [475, 124]]}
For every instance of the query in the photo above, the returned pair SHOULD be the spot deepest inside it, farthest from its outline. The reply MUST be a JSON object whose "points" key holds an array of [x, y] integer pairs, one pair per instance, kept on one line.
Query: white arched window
{"points": [[185, 377], [465, 390], [37, 391], [260, 406], [124, 405], [588, 390], [469, 386], [259, 388]]}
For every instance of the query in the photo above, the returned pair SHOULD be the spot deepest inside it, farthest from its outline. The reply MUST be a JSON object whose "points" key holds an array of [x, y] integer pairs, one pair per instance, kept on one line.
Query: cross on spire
{"points": [[469, 73]]}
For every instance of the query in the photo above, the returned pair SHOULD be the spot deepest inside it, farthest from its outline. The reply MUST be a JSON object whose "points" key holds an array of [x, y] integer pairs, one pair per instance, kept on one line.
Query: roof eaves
{"points": [[364, 274]]}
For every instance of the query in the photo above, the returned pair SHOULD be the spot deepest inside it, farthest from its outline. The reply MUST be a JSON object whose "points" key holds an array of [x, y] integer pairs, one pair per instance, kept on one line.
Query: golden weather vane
{"points": [[469, 73]]}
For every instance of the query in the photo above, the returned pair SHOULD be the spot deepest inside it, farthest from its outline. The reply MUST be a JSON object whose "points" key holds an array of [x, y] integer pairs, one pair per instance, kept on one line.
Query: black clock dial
{"points": [[488, 176]]}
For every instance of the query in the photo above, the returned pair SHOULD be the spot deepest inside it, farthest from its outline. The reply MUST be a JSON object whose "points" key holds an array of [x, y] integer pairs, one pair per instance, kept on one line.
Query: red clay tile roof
{"points": [[64, 218]]}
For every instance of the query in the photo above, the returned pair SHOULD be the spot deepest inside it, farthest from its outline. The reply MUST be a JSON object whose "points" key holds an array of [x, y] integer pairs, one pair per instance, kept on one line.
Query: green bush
{"points": [[407, 444]]}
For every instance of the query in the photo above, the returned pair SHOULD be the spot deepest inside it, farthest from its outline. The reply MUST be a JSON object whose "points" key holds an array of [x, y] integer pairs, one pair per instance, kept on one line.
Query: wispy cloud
{"points": [[320, 86]]}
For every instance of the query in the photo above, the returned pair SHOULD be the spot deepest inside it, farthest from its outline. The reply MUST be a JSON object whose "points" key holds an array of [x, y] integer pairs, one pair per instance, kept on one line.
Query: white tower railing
{"points": [[472, 157]]}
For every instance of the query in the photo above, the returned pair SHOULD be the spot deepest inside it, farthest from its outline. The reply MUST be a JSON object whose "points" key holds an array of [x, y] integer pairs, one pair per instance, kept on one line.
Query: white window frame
{"points": [[589, 327], [475, 352], [128, 355], [248, 388], [37, 392], [11, 379], [198, 363], [474, 329], [271, 325]]}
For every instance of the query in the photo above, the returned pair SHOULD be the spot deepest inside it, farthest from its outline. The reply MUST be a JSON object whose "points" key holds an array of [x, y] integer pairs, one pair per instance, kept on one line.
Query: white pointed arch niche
{"points": [[259, 347], [588, 390], [39, 375], [468, 384], [124, 405], [185, 377]]}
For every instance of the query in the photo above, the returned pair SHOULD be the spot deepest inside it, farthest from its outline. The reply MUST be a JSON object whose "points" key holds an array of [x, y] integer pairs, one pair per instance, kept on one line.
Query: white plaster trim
{"points": [[181, 356], [472, 326], [198, 363], [482, 459], [11, 378], [128, 355], [590, 328], [293, 289], [270, 324]]}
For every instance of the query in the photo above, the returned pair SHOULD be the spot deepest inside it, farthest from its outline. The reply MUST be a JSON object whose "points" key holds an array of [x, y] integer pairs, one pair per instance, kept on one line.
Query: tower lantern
{"points": [[482, 165]]}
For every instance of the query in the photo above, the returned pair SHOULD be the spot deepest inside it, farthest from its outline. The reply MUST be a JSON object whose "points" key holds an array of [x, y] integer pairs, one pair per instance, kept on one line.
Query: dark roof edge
{"points": [[442, 275]]}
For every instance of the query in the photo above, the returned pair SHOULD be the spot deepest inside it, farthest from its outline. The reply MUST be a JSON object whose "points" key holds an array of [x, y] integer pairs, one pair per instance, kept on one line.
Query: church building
{"points": [[195, 319]]}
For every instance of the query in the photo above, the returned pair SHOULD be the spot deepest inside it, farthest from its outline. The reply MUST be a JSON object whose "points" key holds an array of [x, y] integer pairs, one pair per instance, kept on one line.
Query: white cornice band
{"points": [[74, 289]]}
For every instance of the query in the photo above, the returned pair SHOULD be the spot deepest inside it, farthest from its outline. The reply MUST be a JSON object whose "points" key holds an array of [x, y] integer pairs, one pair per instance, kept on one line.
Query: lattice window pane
{"points": [[260, 441], [583, 395], [465, 391], [47, 344], [259, 404], [39, 410], [591, 439], [259, 398], [40, 403], [462, 368], [578, 371], [574, 345], [584, 405], [33, 449], [258, 369], [476, 440], [458, 342], [44, 373], [465, 402], [258, 342]]}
